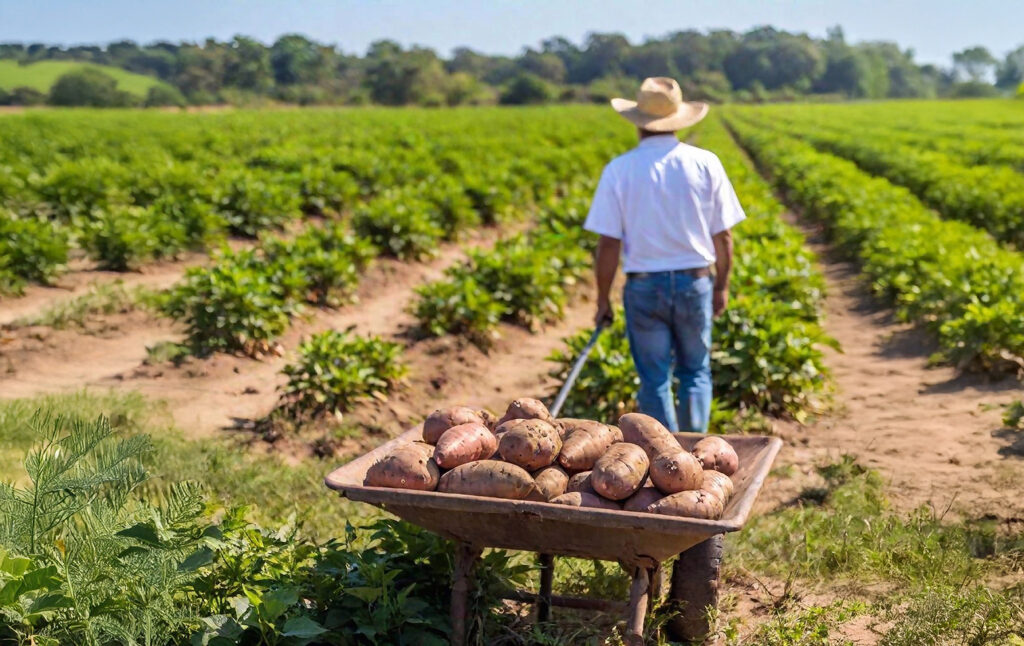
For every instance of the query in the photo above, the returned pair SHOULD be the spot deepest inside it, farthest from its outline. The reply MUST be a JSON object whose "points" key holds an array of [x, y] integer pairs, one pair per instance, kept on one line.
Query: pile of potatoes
{"points": [[527, 454]]}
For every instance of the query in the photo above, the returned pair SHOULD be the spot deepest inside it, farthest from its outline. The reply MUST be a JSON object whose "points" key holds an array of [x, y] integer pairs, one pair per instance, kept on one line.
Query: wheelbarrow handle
{"points": [[576, 368]]}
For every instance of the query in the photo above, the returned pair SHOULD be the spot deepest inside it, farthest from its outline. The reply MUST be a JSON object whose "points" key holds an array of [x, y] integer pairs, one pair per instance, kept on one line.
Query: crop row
{"points": [[990, 197], [767, 352], [943, 274], [127, 189]]}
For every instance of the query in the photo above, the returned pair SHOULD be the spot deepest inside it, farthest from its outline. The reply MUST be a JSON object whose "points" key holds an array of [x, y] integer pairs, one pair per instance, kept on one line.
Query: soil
{"points": [[935, 435]]}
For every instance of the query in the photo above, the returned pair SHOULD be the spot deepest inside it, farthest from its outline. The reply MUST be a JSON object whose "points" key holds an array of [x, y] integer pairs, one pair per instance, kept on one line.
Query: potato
{"points": [[620, 471], [715, 453], [647, 433], [585, 442], [675, 471], [579, 499], [491, 478], [409, 466], [489, 418], [551, 481], [718, 484], [529, 443], [444, 418], [527, 408], [642, 499], [580, 483], [464, 443], [693, 504]]}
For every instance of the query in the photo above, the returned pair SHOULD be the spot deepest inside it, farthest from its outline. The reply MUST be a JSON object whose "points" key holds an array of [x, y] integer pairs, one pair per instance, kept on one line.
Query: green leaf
{"points": [[303, 628]]}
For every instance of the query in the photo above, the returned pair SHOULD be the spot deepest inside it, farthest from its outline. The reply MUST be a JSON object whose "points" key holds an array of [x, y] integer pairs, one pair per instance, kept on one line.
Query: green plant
{"points": [[252, 202], [1014, 415], [232, 305], [334, 370], [30, 250], [328, 260], [400, 224], [100, 299]]}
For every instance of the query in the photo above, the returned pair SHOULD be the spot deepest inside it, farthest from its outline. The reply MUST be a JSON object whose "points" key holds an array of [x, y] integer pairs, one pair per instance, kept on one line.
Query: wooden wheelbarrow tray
{"points": [[641, 542]]}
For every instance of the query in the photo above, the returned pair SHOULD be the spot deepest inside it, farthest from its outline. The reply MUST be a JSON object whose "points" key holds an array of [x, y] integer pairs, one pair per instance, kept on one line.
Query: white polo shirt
{"points": [[664, 199]]}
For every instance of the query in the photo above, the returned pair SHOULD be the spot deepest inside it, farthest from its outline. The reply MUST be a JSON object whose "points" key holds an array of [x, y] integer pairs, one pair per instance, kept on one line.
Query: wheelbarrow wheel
{"points": [[694, 589]]}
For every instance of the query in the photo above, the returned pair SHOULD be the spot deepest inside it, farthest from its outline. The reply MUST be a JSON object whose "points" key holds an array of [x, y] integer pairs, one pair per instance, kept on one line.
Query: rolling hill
{"points": [[42, 75]]}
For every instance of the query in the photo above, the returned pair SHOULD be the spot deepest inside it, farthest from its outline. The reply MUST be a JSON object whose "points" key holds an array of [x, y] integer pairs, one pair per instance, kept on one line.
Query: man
{"points": [[668, 208]]}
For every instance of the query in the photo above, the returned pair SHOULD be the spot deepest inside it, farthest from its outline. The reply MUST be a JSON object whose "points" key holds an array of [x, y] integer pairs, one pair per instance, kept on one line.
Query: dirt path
{"points": [[934, 435]]}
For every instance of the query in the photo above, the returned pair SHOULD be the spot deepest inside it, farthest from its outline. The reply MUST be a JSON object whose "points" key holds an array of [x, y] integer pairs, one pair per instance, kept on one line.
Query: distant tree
{"points": [[12, 50], [526, 89], [1010, 72], [248, 66], [164, 95], [973, 63], [88, 87], [602, 56], [294, 59], [547, 66], [653, 58], [398, 77], [200, 71]]}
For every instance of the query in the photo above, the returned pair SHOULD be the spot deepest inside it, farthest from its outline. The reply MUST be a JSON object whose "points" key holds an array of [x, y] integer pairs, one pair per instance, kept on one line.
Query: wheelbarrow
{"points": [[640, 542]]}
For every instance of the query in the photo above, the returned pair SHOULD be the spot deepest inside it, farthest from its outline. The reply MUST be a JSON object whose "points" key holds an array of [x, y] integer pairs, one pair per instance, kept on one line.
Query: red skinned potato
{"points": [[692, 504], [647, 433], [444, 418], [715, 453], [528, 443], [585, 442], [642, 499], [490, 419], [464, 443], [580, 483], [676, 471], [718, 484], [527, 408], [620, 471], [409, 466], [580, 499], [551, 481], [491, 478]]}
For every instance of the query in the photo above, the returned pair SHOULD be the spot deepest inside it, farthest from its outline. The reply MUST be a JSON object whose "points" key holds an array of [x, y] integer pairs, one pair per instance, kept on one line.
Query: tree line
{"points": [[719, 65]]}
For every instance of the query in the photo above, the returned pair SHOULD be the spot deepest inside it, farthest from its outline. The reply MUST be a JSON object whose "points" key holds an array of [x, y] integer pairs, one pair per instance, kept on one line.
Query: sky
{"points": [[934, 29]]}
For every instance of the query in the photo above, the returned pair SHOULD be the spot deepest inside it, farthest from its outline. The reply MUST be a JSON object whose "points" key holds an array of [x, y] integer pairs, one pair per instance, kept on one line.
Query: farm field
{"points": [[268, 294]]}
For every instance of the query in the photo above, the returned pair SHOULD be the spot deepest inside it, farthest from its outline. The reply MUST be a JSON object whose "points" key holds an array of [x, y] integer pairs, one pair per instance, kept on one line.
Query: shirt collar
{"points": [[666, 140]]}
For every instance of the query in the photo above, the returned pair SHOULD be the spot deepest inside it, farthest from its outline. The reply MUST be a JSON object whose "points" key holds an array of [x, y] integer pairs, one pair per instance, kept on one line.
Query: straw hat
{"points": [[659, 106]]}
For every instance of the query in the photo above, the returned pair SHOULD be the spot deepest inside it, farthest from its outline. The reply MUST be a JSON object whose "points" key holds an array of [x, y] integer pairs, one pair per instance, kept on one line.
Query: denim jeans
{"points": [[668, 321]]}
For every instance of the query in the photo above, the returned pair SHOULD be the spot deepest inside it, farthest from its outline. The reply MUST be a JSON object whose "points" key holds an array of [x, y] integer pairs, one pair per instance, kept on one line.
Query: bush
{"points": [[335, 370], [89, 87], [161, 95], [458, 307], [527, 89], [25, 96], [1020, 91]]}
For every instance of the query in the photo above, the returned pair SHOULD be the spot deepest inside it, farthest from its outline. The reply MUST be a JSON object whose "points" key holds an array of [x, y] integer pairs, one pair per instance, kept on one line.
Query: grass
{"points": [[232, 475], [43, 74], [101, 299]]}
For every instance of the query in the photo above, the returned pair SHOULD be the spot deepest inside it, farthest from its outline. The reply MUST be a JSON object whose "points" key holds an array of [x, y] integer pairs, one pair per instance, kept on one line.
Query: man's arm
{"points": [[606, 263], [723, 267]]}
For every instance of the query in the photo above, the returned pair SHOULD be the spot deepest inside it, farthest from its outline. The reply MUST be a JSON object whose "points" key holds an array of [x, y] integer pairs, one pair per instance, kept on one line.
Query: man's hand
{"points": [[719, 301], [605, 313]]}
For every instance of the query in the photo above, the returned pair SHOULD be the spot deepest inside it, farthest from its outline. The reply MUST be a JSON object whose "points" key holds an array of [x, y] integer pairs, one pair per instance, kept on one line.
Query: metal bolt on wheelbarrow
{"points": [[640, 542]]}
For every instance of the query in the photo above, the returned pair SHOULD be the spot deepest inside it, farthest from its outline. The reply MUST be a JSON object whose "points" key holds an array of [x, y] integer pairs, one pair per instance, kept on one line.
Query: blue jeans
{"points": [[668, 321]]}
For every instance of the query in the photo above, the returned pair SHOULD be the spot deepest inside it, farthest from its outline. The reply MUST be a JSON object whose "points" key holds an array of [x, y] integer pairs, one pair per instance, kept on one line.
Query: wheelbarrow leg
{"points": [[638, 594], [547, 574], [465, 559]]}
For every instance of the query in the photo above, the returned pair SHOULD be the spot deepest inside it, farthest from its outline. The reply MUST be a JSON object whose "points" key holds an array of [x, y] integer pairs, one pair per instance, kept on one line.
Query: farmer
{"points": [[667, 207]]}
